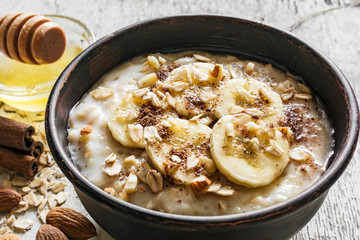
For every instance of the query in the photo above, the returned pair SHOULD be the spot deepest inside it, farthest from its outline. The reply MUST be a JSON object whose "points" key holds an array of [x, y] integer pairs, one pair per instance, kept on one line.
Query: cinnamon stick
{"points": [[18, 162], [36, 149], [16, 134]]}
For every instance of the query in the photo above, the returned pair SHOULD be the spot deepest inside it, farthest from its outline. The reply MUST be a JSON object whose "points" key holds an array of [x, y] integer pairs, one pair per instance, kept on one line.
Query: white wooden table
{"points": [[332, 26]]}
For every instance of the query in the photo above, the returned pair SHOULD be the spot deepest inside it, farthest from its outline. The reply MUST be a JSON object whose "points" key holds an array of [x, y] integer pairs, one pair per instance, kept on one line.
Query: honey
{"points": [[26, 86], [31, 81]]}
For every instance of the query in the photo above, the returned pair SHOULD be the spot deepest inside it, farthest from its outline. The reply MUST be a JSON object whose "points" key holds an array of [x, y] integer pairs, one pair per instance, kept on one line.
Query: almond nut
{"points": [[48, 232], [199, 184], [9, 199], [72, 223], [9, 236]]}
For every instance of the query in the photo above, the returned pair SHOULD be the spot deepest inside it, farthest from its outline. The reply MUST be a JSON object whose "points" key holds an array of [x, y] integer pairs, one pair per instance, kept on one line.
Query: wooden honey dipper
{"points": [[31, 38]]}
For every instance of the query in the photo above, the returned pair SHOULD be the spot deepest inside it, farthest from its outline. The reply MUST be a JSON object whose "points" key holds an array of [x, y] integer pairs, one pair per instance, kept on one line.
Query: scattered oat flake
{"points": [[42, 205], [42, 215], [10, 219], [61, 197], [51, 201], [20, 182], [35, 183], [21, 207], [22, 225], [58, 187], [44, 187]]}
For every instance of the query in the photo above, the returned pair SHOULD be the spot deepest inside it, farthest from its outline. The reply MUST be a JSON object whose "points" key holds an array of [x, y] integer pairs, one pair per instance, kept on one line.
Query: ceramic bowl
{"points": [[235, 36]]}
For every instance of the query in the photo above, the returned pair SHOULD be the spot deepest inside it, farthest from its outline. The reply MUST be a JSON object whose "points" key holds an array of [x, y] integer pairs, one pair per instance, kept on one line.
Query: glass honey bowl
{"points": [[26, 86]]}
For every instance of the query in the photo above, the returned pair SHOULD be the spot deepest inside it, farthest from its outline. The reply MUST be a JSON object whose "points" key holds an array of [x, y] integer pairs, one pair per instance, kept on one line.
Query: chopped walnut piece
{"points": [[131, 183], [87, 129], [200, 184], [217, 72], [249, 67], [110, 191], [192, 162], [131, 161], [123, 196], [255, 144], [230, 132]]}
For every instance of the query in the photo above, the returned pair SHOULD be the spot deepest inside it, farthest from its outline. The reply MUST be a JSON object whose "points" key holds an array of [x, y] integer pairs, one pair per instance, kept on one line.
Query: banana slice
{"points": [[131, 117], [122, 123], [192, 87], [183, 154], [250, 96], [248, 151]]}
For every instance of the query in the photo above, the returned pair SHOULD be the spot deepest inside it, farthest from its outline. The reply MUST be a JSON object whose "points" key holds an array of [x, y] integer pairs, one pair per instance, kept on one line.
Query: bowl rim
{"points": [[317, 189]]}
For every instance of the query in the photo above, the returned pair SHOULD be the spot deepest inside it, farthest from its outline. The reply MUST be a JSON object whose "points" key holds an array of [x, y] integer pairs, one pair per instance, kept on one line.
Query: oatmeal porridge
{"points": [[195, 133]]}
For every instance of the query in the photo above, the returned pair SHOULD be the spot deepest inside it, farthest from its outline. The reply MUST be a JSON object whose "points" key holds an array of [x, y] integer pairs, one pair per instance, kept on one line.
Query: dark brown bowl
{"points": [[235, 36]]}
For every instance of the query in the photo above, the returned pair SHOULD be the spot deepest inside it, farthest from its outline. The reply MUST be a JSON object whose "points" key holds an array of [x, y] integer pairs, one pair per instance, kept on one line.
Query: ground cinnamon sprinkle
{"points": [[193, 101], [294, 118], [181, 153], [164, 132], [149, 115], [164, 71]]}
